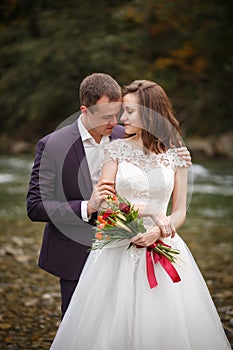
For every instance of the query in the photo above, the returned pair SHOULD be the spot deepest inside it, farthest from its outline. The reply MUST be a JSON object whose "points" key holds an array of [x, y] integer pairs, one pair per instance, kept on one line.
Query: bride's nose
{"points": [[123, 117]]}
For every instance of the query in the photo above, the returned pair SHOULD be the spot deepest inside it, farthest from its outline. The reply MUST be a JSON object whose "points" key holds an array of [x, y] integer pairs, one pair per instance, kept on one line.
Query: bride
{"points": [[113, 306]]}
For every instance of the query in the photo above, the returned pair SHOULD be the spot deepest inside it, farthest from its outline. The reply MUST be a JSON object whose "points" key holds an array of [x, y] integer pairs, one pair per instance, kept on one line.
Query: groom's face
{"points": [[101, 118]]}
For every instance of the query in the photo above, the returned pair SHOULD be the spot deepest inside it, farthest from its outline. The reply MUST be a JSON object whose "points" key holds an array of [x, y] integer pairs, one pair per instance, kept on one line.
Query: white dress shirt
{"points": [[94, 156]]}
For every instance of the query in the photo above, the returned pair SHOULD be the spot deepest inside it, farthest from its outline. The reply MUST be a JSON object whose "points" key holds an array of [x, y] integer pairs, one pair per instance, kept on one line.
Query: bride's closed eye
{"points": [[129, 110]]}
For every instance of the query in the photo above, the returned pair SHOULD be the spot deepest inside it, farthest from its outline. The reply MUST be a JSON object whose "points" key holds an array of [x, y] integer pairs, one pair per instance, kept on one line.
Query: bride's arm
{"points": [[179, 198], [169, 224], [108, 173], [109, 170]]}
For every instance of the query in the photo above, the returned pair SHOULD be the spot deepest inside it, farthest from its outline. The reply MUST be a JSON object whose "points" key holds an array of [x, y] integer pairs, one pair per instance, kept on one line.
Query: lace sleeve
{"points": [[111, 151]]}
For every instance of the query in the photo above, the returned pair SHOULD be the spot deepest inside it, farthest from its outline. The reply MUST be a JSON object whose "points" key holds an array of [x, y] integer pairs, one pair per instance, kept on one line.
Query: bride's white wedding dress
{"points": [[113, 306]]}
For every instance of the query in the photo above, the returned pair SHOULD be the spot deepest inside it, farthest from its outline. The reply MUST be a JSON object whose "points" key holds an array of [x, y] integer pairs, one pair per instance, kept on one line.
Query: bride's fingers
{"points": [[142, 242], [167, 230], [136, 238], [140, 239], [173, 230], [147, 238], [162, 225]]}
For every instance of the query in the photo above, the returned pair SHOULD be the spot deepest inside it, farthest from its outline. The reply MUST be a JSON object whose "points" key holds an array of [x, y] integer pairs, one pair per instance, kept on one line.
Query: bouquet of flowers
{"points": [[118, 221]]}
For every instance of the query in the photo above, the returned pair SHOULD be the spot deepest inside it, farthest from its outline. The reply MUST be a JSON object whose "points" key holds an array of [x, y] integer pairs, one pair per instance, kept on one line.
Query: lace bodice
{"points": [[146, 179]]}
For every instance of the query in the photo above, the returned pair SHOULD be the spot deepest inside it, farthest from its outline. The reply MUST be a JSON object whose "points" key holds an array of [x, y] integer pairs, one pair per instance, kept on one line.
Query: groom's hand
{"points": [[184, 153], [103, 189]]}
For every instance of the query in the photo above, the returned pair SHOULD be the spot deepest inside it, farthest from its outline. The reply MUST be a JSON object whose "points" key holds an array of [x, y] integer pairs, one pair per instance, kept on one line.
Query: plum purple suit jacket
{"points": [[60, 181]]}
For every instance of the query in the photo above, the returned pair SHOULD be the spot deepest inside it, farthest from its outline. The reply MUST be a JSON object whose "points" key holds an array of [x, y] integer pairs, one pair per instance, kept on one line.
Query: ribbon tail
{"points": [[150, 270], [170, 269]]}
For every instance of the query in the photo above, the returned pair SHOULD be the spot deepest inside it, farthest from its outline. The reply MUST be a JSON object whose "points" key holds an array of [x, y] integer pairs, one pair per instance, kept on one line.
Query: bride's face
{"points": [[131, 116]]}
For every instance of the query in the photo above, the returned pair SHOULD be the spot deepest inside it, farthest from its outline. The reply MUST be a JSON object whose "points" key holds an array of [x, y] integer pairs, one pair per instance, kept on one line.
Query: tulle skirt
{"points": [[114, 308]]}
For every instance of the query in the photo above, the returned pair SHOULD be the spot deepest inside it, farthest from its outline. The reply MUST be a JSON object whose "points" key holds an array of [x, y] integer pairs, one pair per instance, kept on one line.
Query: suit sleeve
{"points": [[41, 198]]}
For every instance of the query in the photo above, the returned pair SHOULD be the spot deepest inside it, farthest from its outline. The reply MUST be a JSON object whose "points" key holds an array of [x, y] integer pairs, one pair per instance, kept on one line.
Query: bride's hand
{"points": [[166, 226], [148, 238]]}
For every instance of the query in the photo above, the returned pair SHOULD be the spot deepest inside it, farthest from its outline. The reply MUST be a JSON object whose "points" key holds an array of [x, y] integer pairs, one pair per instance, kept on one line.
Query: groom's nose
{"points": [[113, 120]]}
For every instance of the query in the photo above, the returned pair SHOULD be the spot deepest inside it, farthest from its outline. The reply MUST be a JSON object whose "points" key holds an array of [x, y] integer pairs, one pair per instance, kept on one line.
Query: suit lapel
{"points": [[84, 176]]}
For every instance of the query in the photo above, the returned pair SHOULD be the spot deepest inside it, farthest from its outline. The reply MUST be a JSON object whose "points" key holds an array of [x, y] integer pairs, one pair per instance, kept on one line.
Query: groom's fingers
{"points": [[105, 182], [183, 151], [185, 155], [105, 187]]}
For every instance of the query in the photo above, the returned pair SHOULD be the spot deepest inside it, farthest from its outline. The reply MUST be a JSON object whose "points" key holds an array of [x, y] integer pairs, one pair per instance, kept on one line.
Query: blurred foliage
{"points": [[48, 47]]}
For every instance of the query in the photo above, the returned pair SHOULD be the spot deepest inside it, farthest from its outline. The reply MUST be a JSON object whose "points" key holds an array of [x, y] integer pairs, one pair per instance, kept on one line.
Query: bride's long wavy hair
{"points": [[160, 128]]}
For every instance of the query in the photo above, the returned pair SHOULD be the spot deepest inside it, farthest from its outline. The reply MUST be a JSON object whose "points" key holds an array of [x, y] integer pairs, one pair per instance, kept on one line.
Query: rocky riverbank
{"points": [[211, 147], [30, 297]]}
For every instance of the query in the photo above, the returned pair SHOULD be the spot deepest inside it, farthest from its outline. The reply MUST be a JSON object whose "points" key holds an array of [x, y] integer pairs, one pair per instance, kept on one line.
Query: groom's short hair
{"points": [[96, 85]]}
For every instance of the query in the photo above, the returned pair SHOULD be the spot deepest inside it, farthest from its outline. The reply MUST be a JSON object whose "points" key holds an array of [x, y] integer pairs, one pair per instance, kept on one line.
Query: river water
{"points": [[207, 231]]}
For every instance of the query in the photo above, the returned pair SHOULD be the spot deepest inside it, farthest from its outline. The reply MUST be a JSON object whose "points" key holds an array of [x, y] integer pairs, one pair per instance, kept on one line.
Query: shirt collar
{"points": [[85, 135]]}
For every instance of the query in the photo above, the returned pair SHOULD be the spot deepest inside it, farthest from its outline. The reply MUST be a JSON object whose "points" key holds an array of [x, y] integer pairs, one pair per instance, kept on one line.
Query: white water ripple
{"points": [[7, 178], [213, 189]]}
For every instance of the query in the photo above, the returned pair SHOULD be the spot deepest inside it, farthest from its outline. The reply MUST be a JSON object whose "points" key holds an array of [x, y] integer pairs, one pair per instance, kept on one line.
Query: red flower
{"points": [[125, 208], [107, 213]]}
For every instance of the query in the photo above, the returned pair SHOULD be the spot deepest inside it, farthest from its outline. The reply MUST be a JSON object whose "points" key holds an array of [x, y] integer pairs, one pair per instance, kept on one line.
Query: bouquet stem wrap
{"points": [[152, 257], [120, 221]]}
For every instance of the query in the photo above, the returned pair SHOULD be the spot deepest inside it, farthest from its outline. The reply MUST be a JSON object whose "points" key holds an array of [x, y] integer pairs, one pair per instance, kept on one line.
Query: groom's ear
{"points": [[84, 109]]}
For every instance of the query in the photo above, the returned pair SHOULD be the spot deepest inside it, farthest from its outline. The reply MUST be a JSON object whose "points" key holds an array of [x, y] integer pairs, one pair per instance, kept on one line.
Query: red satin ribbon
{"points": [[152, 257]]}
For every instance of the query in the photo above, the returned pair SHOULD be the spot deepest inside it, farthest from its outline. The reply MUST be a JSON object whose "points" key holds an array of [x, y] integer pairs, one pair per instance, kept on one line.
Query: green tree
{"points": [[185, 46], [48, 47]]}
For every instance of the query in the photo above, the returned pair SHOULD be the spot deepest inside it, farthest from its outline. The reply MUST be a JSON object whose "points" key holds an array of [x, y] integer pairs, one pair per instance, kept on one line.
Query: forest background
{"points": [[48, 47]]}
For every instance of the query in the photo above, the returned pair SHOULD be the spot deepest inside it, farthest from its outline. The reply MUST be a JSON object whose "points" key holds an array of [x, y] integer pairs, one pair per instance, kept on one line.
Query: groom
{"points": [[65, 190]]}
